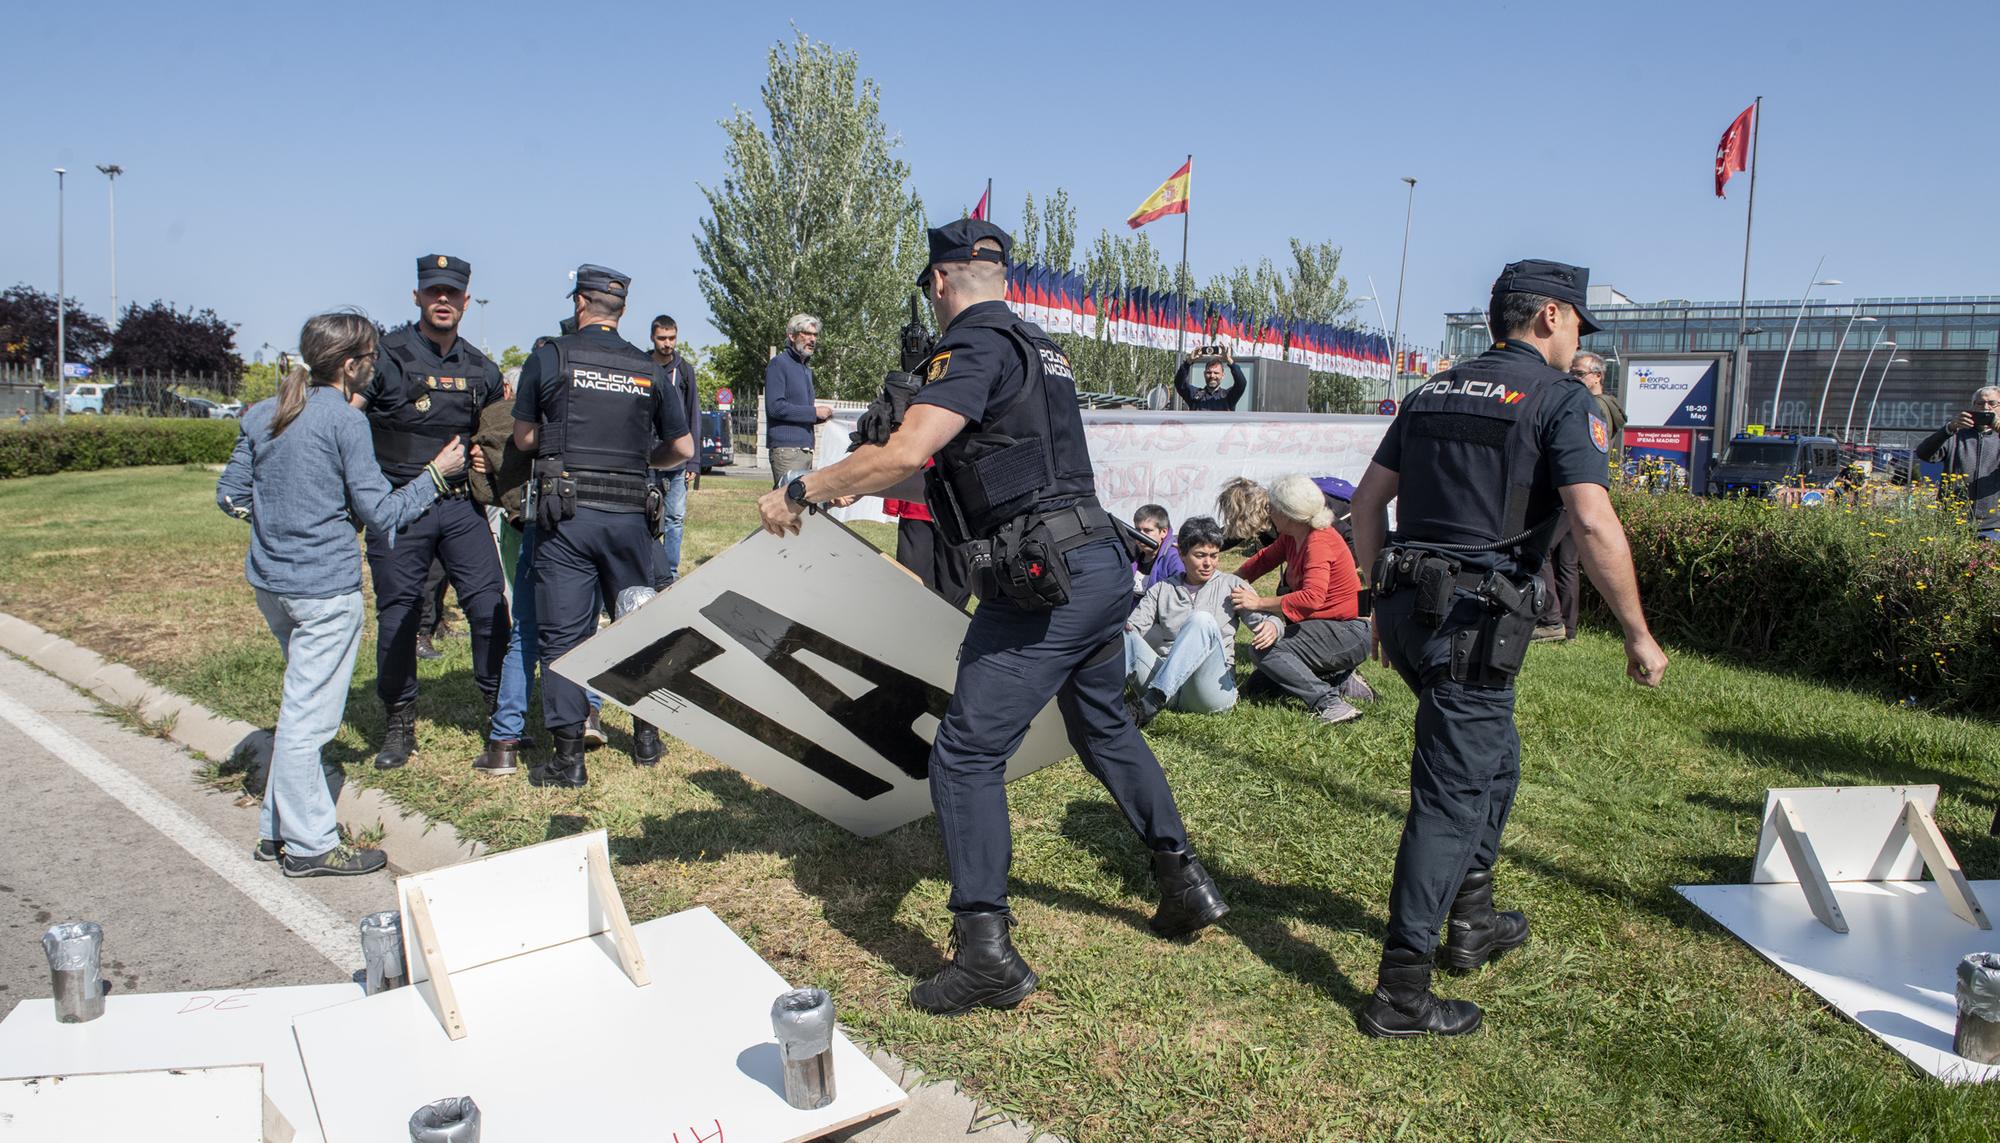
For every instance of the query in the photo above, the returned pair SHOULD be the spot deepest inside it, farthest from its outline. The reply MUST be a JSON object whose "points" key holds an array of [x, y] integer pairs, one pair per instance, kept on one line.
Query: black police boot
{"points": [[399, 741], [1188, 897], [1476, 933], [565, 769], [1405, 1006], [985, 971], [646, 748], [501, 757]]}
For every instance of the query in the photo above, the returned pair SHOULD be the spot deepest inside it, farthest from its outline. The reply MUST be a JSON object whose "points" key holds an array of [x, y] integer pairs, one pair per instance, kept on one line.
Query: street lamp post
{"points": [[1779, 390], [111, 174], [1847, 430], [1852, 317], [1396, 350], [62, 349], [482, 327], [1869, 432]]}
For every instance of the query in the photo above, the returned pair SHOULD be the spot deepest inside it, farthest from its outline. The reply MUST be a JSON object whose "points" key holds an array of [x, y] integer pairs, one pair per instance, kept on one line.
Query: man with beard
{"points": [[790, 412], [429, 387]]}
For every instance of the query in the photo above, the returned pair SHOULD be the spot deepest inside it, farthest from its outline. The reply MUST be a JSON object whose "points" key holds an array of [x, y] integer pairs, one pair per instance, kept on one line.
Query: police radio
{"points": [[916, 340]]}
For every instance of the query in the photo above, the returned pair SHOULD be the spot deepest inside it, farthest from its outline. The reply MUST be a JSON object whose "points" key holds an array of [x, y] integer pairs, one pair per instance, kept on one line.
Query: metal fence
{"points": [[147, 394]]}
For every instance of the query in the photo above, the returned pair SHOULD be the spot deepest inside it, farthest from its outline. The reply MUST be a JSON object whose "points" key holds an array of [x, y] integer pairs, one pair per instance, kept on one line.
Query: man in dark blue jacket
{"points": [[1211, 397], [677, 381], [790, 412]]}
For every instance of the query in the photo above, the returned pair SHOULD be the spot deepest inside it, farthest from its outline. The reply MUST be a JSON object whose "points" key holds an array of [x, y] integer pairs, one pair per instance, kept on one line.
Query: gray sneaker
{"points": [[1356, 688], [1336, 711], [342, 860]]}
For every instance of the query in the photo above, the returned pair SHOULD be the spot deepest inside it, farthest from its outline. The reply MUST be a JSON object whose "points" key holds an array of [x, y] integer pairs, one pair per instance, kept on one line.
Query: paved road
{"points": [[162, 863]]}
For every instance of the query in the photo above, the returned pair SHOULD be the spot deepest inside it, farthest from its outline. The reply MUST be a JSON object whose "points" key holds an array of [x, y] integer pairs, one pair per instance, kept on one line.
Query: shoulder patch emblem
{"points": [[937, 368], [1600, 435]]}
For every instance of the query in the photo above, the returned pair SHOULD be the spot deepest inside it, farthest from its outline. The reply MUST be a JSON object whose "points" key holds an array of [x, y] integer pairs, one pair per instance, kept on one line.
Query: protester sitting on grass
{"points": [[1318, 590], [1162, 562], [1180, 643], [1245, 509], [304, 460]]}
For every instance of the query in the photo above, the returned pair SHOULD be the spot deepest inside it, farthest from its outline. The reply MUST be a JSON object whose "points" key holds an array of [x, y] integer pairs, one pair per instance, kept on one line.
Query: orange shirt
{"points": [[1318, 583]]}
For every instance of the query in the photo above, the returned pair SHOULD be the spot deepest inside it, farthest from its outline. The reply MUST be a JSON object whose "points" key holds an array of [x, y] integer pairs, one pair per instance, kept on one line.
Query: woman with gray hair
{"points": [[1318, 597], [790, 410]]}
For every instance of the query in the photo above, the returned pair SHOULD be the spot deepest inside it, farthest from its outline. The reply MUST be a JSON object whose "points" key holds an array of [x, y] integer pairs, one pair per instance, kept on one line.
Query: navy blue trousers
{"points": [[1011, 664], [1464, 770], [456, 534], [581, 565]]}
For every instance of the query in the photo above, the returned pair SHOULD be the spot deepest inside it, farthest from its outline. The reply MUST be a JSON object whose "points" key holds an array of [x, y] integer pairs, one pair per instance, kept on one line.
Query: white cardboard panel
{"points": [[690, 1057], [506, 904], [182, 1105], [1894, 972], [154, 1030], [708, 661], [1849, 827]]}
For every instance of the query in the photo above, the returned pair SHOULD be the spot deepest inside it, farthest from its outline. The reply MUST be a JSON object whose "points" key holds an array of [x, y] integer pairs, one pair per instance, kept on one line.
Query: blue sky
{"points": [[284, 158]]}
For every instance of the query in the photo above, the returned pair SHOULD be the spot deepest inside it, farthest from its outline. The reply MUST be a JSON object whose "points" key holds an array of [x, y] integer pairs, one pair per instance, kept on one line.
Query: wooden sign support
{"points": [[1851, 817]]}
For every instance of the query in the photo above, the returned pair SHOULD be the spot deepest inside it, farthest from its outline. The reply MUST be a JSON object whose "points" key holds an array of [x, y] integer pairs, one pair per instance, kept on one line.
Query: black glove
{"points": [[885, 413]]}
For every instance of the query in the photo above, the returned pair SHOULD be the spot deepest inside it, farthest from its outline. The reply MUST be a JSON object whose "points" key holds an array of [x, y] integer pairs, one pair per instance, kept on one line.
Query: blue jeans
{"points": [[1195, 674], [675, 485], [319, 638], [517, 681]]}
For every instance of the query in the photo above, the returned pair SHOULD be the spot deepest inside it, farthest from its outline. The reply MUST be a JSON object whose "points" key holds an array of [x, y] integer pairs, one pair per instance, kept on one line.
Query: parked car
{"points": [[201, 407], [86, 398], [233, 410], [1760, 465], [717, 449]]}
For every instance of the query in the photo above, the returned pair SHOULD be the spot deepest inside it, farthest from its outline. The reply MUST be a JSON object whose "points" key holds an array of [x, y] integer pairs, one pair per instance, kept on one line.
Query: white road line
{"points": [[310, 919]]}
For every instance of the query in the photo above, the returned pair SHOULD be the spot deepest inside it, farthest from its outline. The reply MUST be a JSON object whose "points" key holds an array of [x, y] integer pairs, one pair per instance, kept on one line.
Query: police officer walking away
{"points": [[429, 386], [1485, 460], [1051, 619], [594, 410]]}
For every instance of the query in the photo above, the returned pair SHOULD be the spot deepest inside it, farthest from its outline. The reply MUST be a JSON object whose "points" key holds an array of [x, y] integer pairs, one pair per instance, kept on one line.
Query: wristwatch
{"points": [[795, 492]]}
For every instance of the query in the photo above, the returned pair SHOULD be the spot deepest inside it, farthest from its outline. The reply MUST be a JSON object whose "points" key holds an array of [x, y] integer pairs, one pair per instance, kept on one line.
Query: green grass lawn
{"points": [[1628, 1016]]}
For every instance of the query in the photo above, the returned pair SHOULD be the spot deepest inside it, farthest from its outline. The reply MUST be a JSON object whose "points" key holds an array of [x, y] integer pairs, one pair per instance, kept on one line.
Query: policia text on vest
{"points": [[997, 409]]}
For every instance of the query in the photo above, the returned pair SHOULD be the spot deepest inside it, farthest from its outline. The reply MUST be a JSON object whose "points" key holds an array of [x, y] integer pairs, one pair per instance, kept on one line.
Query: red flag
{"points": [[979, 212], [1733, 153]]}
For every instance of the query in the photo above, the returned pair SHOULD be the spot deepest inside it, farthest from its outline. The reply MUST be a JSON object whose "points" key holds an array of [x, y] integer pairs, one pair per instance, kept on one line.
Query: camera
{"points": [[1983, 418], [1208, 353]]}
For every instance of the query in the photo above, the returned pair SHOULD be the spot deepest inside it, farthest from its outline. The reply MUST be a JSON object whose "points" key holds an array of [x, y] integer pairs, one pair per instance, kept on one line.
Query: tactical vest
{"points": [[607, 403], [1030, 456], [1470, 458], [439, 401]]}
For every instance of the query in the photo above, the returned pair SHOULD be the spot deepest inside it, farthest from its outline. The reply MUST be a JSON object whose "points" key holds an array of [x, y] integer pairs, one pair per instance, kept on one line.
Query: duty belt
{"points": [[1435, 576], [616, 491], [1074, 525]]}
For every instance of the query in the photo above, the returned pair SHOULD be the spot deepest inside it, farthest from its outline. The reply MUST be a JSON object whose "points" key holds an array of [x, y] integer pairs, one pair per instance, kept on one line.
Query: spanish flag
{"points": [[1171, 198]]}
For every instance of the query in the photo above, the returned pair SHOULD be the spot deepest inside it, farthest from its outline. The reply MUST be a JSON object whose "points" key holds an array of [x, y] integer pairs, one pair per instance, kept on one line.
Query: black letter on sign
{"points": [[670, 665], [884, 717]]}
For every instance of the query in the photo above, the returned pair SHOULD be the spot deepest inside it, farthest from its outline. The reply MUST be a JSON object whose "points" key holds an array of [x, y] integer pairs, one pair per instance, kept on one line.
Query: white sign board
{"points": [[563, 1047], [1853, 831], [182, 1105], [1181, 460], [1672, 392], [150, 1030], [812, 663]]}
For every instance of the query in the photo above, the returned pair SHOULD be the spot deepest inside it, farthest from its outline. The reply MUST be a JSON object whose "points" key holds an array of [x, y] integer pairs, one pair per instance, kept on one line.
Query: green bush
{"points": [[1899, 597], [82, 444]]}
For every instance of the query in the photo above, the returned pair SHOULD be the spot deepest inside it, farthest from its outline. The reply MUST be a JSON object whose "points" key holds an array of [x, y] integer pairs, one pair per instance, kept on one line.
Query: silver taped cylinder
{"points": [[803, 1022], [1978, 1034], [454, 1120], [382, 951], [76, 950]]}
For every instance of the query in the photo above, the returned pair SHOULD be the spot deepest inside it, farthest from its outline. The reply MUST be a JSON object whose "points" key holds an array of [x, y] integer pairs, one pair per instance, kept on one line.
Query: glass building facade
{"points": [[1944, 348]]}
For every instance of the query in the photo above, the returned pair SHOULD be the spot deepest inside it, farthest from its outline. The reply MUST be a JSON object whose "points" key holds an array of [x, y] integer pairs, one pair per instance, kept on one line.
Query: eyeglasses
{"points": [[1586, 373]]}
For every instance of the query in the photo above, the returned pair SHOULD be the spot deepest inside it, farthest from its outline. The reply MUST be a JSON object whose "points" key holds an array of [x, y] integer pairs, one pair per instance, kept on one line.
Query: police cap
{"points": [[600, 279], [1558, 280], [443, 270], [953, 241]]}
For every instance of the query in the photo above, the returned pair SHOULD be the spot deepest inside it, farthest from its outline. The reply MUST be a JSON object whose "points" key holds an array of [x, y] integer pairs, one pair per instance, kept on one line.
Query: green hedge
{"points": [[81, 444], [1898, 597]]}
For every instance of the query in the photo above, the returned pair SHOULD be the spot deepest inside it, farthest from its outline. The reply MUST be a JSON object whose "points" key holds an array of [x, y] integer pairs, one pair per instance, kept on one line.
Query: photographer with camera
{"points": [[1970, 450], [1211, 397]]}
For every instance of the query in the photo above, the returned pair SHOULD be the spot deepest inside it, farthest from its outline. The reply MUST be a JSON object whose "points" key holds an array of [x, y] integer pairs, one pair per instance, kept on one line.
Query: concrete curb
{"points": [[414, 842]]}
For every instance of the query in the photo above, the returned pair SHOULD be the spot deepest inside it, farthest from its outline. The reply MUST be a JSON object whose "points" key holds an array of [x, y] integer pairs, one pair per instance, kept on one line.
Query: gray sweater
{"points": [[1167, 605], [1974, 456], [304, 491]]}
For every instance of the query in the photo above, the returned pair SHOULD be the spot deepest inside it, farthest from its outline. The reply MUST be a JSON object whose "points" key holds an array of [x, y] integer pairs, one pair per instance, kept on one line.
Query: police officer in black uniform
{"points": [[591, 407], [430, 385], [997, 407], [1485, 460]]}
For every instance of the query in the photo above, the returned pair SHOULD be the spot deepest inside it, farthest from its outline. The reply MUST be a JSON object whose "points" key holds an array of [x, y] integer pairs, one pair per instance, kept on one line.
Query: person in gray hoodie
{"points": [[1180, 642], [303, 473]]}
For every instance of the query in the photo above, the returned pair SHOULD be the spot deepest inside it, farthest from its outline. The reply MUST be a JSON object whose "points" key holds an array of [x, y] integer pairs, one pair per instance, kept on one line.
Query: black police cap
{"points": [[953, 241], [443, 270], [600, 279], [1558, 280]]}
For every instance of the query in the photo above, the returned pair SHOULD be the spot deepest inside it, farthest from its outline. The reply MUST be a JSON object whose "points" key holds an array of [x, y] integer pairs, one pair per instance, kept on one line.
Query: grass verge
{"points": [[1629, 1015]]}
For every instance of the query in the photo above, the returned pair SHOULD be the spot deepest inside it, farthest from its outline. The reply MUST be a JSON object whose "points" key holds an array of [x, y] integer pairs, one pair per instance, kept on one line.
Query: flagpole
{"points": [[1180, 331], [989, 200], [1740, 381]]}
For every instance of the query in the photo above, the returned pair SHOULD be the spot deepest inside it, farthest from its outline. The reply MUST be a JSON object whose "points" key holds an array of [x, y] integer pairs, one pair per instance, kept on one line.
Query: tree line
{"points": [[153, 338]]}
